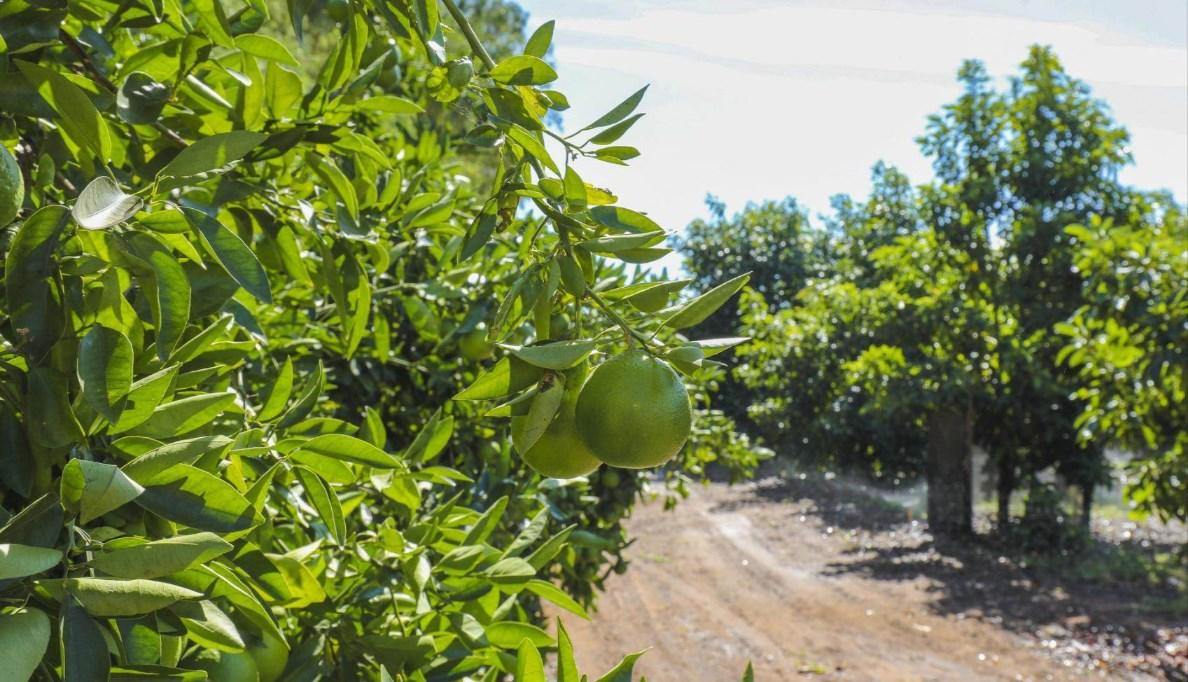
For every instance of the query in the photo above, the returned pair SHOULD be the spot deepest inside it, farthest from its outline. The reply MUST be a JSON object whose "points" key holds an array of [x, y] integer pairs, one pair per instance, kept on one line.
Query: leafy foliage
{"points": [[962, 294], [1129, 343], [232, 309]]}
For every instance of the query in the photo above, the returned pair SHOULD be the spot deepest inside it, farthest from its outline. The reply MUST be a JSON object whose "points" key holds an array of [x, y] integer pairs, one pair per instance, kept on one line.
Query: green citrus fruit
{"points": [[459, 72], [474, 345], [610, 478], [12, 187], [560, 451], [227, 667], [634, 411], [271, 656]]}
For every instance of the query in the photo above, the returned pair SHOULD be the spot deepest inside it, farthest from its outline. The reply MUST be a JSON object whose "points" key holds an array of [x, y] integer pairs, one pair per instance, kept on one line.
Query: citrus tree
{"points": [[260, 319], [1128, 343], [933, 323]]}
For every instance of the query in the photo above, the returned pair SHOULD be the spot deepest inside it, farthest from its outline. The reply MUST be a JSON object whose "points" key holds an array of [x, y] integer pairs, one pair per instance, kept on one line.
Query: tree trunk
{"points": [[1006, 486], [1086, 505], [949, 472]]}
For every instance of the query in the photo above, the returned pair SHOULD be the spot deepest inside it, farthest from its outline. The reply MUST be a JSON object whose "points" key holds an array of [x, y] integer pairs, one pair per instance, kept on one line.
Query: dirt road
{"points": [[752, 574]]}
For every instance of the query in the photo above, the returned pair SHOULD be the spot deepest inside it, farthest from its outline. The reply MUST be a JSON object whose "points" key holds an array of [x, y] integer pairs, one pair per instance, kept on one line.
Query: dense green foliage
{"points": [[958, 298], [238, 299], [1129, 342]]}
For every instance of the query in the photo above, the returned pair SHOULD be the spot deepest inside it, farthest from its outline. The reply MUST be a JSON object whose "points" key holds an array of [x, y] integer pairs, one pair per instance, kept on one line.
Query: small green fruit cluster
{"points": [[632, 412]]}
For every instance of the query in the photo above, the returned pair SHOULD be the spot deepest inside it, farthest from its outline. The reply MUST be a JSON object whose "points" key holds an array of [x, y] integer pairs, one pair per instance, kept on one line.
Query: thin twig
{"points": [[476, 45], [98, 76]]}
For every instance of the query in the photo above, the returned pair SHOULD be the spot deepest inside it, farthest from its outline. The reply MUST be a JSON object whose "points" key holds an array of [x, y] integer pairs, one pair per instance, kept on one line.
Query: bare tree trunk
{"points": [[949, 472], [1006, 486]]}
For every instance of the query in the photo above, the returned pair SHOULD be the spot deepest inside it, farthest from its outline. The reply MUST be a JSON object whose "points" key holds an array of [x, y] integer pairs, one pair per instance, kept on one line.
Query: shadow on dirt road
{"points": [[808, 577]]}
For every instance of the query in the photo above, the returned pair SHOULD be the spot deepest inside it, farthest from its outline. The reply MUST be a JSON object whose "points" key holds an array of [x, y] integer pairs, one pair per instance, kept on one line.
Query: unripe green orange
{"points": [[474, 345], [560, 451], [271, 656], [634, 411], [459, 72], [227, 667], [12, 187]]}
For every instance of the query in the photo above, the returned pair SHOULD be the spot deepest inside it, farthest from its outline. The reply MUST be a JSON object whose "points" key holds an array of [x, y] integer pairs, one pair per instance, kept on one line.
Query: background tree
{"points": [[945, 300]]}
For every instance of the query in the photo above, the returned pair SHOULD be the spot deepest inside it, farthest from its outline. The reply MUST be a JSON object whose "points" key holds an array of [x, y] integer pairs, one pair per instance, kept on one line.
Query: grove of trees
{"points": [[1024, 301], [274, 277]]}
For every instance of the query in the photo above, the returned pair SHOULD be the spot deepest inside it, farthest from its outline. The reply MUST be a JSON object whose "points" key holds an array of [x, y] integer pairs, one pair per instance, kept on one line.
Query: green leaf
{"points": [[523, 70], [532, 145], [266, 48], [77, 116], [191, 496], [350, 449], [278, 393], [180, 417], [711, 347], [567, 670], [696, 310], [93, 489], [105, 370], [621, 111], [236, 258], [34, 300], [106, 598], [529, 665], [616, 131], [103, 204], [554, 594], [557, 355], [51, 420], [622, 242], [541, 411], [309, 397], [510, 571], [144, 397], [389, 104], [336, 180], [623, 219], [207, 625], [212, 153], [160, 557], [505, 377], [24, 639], [171, 293], [538, 43], [319, 494], [141, 99], [623, 671], [18, 561], [86, 657], [509, 634], [487, 523], [431, 439]]}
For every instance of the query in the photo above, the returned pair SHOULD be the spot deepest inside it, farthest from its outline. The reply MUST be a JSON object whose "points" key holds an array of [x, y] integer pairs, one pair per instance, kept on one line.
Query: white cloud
{"points": [[752, 100]]}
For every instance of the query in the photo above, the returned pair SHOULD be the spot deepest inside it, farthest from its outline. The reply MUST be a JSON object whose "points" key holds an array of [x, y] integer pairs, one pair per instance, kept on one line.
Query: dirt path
{"points": [[733, 576]]}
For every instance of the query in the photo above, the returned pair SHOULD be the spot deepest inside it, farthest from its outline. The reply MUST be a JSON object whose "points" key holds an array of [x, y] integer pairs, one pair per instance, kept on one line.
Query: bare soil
{"points": [[812, 581]]}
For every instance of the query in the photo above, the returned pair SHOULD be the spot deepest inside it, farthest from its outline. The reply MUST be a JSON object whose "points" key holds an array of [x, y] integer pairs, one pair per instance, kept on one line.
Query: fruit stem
{"points": [[631, 335], [476, 45]]}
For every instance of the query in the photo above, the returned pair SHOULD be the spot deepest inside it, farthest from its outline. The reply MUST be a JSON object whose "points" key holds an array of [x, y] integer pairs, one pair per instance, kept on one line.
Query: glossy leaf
{"points": [[94, 489], [105, 360]]}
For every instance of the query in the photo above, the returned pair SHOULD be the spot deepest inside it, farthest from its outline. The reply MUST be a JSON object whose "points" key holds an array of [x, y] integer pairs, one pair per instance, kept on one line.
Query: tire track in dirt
{"points": [[718, 583]]}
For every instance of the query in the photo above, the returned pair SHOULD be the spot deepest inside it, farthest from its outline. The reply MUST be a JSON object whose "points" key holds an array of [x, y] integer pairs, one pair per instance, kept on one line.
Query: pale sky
{"points": [[758, 99]]}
